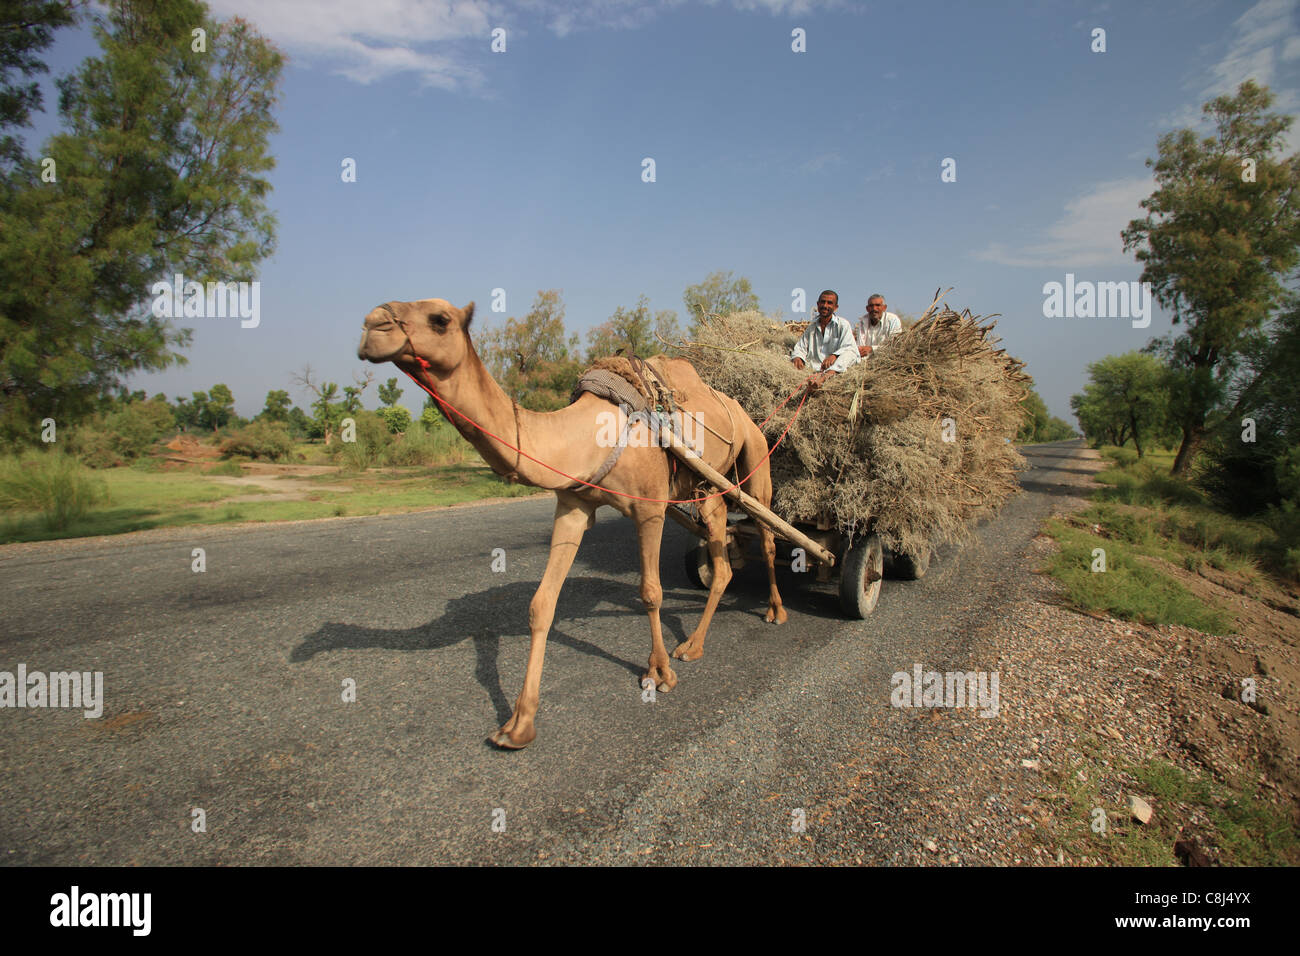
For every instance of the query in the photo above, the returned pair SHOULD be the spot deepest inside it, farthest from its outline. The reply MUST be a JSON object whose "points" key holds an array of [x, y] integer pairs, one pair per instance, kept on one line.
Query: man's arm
{"points": [[860, 338], [846, 351]]}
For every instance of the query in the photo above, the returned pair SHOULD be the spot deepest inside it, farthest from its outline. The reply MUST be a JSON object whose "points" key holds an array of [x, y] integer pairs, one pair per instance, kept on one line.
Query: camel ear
{"points": [[469, 314]]}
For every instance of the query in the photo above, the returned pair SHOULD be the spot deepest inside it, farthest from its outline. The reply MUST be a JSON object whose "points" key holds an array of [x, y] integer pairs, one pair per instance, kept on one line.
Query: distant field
{"points": [[143, 496]]}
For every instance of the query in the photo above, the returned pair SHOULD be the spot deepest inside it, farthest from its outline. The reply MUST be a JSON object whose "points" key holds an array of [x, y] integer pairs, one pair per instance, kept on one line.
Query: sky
{"points": [[523, 170]]}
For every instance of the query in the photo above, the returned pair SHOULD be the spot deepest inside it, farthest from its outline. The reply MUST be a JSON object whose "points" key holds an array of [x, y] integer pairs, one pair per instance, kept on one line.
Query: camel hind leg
{"points": [[713, 514], [759, 486]]}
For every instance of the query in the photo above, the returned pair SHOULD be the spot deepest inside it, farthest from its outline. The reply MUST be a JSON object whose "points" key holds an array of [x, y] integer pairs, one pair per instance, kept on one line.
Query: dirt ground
{"points": [[1090, 703]]}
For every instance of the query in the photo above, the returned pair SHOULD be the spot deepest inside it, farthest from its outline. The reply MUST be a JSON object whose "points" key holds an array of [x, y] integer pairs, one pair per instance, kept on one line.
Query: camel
{"points": [[429, 339]]}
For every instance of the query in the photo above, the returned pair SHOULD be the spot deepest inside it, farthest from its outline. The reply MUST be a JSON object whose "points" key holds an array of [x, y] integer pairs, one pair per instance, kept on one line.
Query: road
{"points": [[224, 692]]}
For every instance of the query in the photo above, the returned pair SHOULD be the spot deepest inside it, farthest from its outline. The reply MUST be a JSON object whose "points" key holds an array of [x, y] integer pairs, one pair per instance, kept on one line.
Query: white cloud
{"points": [[1260, 39], [1087, 234], [439, 39], [372, 40]]}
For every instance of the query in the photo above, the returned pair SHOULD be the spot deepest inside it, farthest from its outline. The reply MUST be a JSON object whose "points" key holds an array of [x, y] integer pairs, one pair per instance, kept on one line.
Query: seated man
{"points": [[876, 327], [828, 342]]}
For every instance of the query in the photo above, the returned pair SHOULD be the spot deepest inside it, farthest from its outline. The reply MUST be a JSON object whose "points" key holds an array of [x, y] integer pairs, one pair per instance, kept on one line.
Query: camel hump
{"points": [[678, 374], [617, 365]]}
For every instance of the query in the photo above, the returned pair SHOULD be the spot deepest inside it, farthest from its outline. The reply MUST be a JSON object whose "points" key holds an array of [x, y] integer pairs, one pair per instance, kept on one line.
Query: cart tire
{"points": [[909, 568], [699, 569], [860, 576]]}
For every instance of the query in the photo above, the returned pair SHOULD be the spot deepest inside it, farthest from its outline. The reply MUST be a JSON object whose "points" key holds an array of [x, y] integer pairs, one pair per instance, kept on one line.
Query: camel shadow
{"points": [[487, 617]]}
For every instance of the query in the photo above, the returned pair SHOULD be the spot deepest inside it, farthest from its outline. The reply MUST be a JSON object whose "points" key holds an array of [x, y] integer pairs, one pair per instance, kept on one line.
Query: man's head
{"points": [[827, 303], [876, 308]]}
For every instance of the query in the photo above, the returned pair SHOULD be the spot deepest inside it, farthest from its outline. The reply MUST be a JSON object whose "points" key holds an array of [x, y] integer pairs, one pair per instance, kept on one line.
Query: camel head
{"points": [[433, 329]]}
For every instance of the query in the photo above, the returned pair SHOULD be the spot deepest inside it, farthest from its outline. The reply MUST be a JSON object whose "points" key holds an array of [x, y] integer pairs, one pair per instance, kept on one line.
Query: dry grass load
{"points": [[868, 447]]}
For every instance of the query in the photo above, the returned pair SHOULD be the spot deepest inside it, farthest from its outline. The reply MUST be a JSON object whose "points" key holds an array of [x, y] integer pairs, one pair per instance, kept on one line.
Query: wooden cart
{"points": [[861, 561]]}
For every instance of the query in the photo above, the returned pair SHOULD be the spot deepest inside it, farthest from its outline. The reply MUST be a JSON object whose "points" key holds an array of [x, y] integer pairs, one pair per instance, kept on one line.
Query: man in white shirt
{"points": [[876, 327], [828, 342]]}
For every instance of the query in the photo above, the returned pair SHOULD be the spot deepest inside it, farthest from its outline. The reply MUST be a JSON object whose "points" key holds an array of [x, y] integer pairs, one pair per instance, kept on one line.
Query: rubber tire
{"points": [[858, 598], [908, 568], [699, 569]]}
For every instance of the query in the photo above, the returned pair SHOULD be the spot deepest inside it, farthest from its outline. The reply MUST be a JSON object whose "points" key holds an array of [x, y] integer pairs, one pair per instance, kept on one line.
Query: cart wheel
{"points": [[860, 576], [909, 568], [698, 566]]}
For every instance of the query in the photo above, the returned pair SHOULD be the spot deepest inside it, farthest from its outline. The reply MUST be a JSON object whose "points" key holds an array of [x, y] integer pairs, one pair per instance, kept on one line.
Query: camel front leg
{"points": [[650, 531], [572, 519], [713, 514]]}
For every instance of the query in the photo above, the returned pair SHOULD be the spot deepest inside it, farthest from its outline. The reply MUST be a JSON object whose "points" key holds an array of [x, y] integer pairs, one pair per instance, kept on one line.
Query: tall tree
{"points": [[635, 331], [1220, 239], [160, 170], [719, 293]]}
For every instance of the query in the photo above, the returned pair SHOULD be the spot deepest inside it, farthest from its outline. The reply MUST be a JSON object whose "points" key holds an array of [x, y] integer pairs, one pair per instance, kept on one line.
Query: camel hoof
{"points": [[775, 617], [502, 740], [685, 652], [663, 682]]}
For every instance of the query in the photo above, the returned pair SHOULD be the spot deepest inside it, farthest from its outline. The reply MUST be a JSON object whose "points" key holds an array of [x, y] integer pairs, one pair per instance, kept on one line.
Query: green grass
{"points": [[1143, 510], [1247, 830], [229, 469], [138, 500], [1128, 588]]}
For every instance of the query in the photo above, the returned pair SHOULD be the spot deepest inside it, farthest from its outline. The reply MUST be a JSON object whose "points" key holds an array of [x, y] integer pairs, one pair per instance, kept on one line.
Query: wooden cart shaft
{"points": [[747, 503]]}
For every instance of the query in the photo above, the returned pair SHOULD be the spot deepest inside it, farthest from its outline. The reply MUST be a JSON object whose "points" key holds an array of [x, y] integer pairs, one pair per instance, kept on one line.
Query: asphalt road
{"points": [[224, 691]]}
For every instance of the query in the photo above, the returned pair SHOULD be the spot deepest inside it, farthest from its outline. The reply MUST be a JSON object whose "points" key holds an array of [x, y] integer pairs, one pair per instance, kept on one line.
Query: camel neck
{"points": [[472, 390]]}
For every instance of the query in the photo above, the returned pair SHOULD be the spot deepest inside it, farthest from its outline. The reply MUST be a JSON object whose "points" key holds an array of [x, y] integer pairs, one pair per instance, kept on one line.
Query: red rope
{"points": [[669, 501]]}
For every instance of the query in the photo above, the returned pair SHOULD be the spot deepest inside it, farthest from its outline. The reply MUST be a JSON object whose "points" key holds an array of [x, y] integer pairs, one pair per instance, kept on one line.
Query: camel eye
{"points": [[438, 322]]}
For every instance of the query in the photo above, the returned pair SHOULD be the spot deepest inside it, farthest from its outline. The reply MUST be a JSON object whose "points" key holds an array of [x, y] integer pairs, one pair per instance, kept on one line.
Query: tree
{"points": [[1250, 455], [532, 358], [389, 393], [633, 330], [186, 413], [1039, 425], [1127, 397], [277, 406], [159, 170], [26, 29], [217, 407], [720, 294], [299, 424], [1221, 236]]}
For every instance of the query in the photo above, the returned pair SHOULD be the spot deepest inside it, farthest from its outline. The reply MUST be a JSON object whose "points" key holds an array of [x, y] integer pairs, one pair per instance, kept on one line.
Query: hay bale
{"points": [[869, 445]]}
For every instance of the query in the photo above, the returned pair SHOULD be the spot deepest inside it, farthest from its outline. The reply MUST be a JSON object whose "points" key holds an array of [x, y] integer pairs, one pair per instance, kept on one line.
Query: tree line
{"points": [[1220, 245]]}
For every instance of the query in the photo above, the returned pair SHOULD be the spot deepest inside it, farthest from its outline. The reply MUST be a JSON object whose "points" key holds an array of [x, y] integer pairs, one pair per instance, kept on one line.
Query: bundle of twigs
{"points": [[913, 441]]}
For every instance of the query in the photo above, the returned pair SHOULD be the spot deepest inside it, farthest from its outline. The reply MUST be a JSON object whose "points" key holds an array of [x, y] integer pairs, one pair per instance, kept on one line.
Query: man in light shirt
{"points": [[876, 327], [828, 342]]}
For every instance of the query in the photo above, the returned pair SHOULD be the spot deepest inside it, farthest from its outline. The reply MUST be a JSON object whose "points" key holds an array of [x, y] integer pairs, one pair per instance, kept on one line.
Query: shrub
{"points": [[396, 417], [264, 439], [371, 441], [53, 483], [439, 445], [122, 435]]}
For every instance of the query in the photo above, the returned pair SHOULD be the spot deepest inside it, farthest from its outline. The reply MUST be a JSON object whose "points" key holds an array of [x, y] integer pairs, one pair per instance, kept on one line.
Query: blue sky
{"points": [[522, 170]]}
